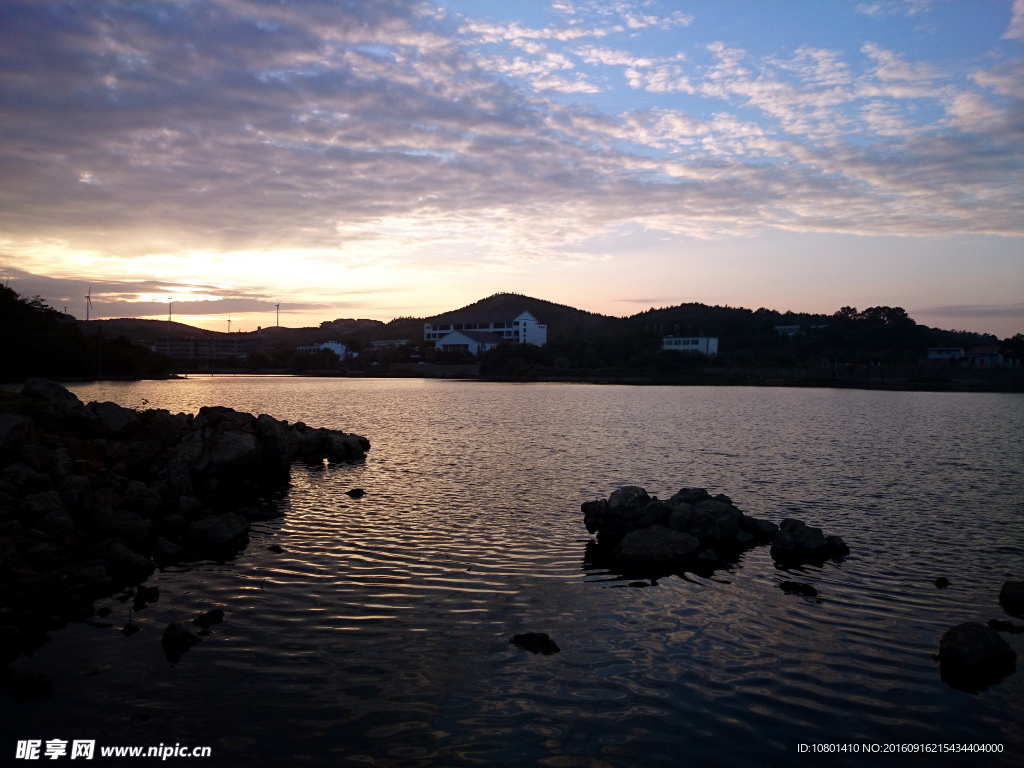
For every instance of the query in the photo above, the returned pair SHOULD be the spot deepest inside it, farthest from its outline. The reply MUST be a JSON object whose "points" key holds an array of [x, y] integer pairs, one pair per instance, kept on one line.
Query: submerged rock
{"points": [[798, 588], [797, 542], [535, 642], [942, 582], [656, 546]]}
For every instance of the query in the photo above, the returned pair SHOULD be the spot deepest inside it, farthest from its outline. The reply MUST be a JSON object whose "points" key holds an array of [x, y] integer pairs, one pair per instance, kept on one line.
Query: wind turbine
{"points": [[278, 315], [88, 303], [229, 323]]}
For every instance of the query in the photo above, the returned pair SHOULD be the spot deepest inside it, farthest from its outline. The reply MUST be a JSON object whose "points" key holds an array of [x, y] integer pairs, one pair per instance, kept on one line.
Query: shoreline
{"points": [[1007, 381]]}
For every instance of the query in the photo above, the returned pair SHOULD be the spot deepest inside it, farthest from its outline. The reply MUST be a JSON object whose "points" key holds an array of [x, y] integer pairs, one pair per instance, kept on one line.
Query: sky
{"points": [[382, 159]]}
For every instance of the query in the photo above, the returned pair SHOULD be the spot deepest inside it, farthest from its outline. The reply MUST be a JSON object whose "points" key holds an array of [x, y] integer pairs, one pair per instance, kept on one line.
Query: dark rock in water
{"points": [[166, 552], [31, 685], [942, 582], [655, 547], [1011, 597], [177, 640], [974, 656], [12, 641], [6, 673], [145, 595], [53, 394], [356, 493], [275, 548], [797, 542], [798, 588], [129, 629], [205, 620], [535, 642]]}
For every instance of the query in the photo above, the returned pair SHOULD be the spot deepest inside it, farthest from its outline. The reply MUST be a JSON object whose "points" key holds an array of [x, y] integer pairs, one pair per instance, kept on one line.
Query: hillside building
{"points": [[704, 345], [334, 346], [476, 333]]}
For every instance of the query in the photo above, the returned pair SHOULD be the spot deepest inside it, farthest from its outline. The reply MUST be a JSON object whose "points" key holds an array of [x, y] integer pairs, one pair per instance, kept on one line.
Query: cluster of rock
{"points": [[638, 531], [93, 497], [973, 655]]}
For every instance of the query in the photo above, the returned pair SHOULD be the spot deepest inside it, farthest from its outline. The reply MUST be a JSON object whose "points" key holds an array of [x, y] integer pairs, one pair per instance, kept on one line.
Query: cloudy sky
{"points": [[379, 158]]}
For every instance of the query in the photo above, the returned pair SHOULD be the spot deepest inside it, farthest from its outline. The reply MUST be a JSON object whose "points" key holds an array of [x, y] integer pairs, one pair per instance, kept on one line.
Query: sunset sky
{"points": [[381, 159]]}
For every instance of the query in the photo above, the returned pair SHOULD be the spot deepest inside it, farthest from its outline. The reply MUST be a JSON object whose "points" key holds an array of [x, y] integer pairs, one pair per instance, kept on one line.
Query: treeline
{"points": [[875, 336], [40, 341]]}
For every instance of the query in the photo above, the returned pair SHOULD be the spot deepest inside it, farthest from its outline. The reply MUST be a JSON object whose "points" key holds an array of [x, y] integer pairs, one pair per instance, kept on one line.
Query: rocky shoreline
{"points": [[94, 497]]}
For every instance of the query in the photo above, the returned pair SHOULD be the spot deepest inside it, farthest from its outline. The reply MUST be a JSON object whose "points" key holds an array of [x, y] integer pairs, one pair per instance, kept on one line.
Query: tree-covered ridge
{"points": [[40, 341]]}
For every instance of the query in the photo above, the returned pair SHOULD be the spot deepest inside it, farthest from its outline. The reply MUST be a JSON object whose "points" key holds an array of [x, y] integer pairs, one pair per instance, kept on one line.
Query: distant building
{"points": [[214, 347], [514, 327], [376, 346], [473, 342], [946, 353], [705, 345], [985, 357], [793, 330], [334, 346]]}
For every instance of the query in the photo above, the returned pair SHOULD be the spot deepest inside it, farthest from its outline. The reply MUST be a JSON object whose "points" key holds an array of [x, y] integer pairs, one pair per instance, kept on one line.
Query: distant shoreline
{"points": [[895, 380]]}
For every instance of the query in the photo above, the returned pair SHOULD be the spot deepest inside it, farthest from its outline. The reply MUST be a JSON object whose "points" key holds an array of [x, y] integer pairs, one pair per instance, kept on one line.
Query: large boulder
{"points": [[974, 656], [655, 547]]}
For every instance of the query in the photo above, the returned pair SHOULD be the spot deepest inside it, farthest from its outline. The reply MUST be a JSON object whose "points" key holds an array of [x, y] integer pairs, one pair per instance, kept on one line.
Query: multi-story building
{"points": [[487, 329], [222, 346]]}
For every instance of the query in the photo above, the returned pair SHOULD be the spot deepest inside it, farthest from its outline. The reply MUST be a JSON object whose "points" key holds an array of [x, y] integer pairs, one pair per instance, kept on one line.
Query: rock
{"points": [[942, 582], [1002, 626], [535, 642], [655, 546], [273, 448], [1011, 597], [275, 548], [628, 495], [166, 552], [53, 394], [356, 493], [176, 641], [798, 588], [267, 511], [689, 496], [974, 656], [219, 531], [209, 618], [12, 642], [110, 419], [127, 566], [15, 432], [797, 542], [31, 685], [145, 595], [129, 629]]}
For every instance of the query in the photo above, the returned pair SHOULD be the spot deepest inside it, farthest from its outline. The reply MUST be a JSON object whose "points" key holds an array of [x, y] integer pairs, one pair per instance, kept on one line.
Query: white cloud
{"points": [[1015, 31]]}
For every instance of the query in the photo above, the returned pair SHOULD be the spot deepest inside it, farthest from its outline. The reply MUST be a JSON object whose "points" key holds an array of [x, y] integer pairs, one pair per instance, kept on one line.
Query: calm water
{"points": [[380, 636]]}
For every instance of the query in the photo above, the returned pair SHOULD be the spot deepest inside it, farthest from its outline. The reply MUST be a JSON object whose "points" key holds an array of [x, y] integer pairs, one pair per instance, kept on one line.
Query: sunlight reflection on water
{"points": [[381, 633]]}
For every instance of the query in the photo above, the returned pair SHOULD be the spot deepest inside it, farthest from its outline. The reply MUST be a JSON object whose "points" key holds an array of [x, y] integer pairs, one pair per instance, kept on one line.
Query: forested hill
{"points": [[40, 341]]}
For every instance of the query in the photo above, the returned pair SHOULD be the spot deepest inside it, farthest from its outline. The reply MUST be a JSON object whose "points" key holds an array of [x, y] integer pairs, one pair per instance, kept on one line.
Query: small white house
{"points": [[515, 327], [473, 342], [334, 346], [704, 345]]}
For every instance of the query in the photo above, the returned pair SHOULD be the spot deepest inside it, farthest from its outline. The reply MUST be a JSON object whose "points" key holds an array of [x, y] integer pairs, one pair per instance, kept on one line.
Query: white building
{"points": [[514, 327], [334, 346], [473, 342], [705, 345]]}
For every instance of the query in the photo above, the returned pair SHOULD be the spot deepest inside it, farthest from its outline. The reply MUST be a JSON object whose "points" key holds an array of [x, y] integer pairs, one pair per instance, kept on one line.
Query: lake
{"points": [[380, 635]]}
